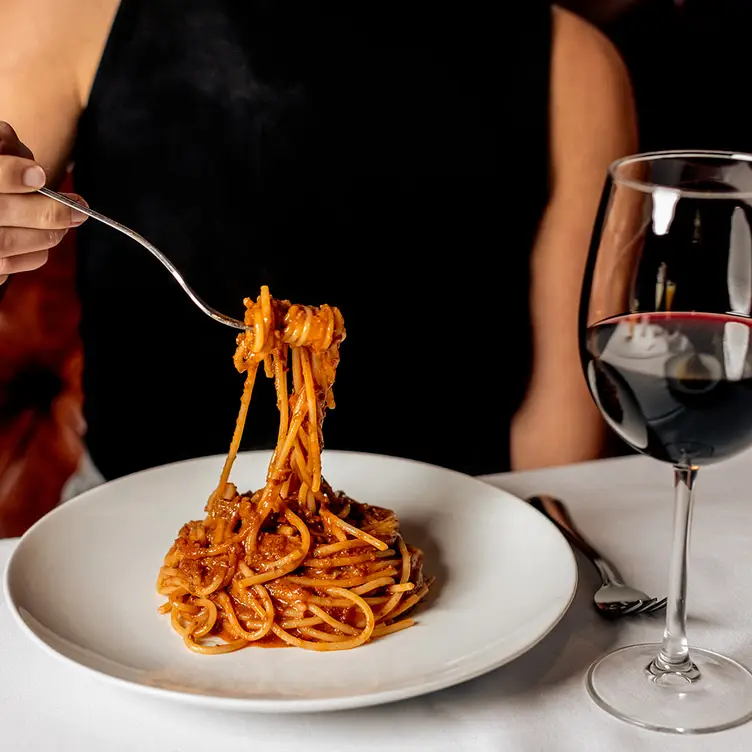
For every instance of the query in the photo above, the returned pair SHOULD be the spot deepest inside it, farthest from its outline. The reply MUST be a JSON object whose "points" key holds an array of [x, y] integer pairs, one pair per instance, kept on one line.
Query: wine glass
{"points": [[665, 344]]}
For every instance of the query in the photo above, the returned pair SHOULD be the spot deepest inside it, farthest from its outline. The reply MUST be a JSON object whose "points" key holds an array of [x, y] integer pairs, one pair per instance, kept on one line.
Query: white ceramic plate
{"points": [[82, 584]]}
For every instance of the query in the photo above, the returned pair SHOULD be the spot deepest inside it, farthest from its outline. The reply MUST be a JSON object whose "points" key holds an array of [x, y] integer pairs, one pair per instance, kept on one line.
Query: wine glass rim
{"points": [[646, 186]]}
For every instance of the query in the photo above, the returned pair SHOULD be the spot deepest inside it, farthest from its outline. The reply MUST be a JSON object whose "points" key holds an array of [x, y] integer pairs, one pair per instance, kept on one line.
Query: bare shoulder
{"points": [[49, 54], [60, 36], [592, 107], [54, 26]]}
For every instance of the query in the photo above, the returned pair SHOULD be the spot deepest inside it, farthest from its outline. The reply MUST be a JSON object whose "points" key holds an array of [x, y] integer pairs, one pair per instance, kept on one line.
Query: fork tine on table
{"points": [[614, 598], [643, 607]]}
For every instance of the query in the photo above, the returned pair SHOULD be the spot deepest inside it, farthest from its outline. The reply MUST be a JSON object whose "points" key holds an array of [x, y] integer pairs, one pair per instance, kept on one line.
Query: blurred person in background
{"points": [[431, 172]]}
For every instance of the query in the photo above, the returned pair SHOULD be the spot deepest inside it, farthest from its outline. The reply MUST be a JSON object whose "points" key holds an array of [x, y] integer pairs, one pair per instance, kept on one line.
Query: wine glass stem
{"points": [[673, 658]]}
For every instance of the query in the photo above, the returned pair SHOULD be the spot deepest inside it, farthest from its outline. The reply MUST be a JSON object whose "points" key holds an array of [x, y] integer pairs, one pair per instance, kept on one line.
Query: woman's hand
{"points": [[30, 224]]}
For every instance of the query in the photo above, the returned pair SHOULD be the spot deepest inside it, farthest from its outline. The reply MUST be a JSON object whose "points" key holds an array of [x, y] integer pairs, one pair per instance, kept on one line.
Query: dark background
{"points": [[690, 67]]}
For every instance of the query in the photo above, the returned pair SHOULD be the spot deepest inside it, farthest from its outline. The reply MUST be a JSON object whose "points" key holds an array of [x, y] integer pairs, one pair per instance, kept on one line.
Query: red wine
{"points": [[675, 386]]}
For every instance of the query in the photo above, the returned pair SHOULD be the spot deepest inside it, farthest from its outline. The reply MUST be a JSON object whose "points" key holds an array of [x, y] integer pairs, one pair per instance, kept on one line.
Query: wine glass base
{"points": [[719, 698]]}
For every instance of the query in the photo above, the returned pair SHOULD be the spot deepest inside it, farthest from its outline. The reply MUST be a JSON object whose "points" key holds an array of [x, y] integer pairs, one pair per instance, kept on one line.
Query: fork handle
{"points": [[142, 241], [555, 511]]}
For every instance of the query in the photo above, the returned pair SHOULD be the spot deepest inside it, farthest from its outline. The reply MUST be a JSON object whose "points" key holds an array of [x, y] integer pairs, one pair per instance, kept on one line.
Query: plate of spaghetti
{"points": [[373, 578]]}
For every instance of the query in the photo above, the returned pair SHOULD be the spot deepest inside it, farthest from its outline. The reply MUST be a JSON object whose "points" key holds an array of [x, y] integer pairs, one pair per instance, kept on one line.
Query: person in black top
{"points": [[430, 172]]}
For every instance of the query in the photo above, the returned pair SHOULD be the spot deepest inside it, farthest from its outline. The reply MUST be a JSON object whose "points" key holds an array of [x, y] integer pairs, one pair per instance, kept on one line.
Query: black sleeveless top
{"points": [[387, 158]]}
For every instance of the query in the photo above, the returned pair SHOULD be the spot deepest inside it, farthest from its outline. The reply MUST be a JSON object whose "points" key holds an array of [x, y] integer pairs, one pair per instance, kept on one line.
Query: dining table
{"points": [[537, 702]]}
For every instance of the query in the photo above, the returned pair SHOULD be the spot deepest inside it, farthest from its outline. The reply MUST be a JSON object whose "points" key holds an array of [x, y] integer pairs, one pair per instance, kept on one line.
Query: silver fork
{"points": [[207, 309], [614, 598]]}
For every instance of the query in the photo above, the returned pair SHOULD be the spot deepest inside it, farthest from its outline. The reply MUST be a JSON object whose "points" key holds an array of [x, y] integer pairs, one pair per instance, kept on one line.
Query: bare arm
{"points": [[49, 52], [38, 89], [592, 123]]}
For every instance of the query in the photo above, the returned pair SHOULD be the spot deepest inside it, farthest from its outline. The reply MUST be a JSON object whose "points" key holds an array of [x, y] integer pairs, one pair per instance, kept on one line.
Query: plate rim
{"points": [[285, 706]]}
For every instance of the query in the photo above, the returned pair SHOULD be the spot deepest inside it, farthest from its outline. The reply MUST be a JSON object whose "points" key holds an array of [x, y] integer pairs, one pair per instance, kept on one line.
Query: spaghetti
{"points": [[294, 563]]}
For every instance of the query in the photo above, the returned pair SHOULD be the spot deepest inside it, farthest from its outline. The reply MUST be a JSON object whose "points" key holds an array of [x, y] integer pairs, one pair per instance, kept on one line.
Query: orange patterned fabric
{"points": [[41, 423]]}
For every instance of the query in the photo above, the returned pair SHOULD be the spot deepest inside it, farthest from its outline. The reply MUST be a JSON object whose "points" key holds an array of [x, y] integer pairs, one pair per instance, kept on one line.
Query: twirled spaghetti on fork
{"points": [[294, 563]]}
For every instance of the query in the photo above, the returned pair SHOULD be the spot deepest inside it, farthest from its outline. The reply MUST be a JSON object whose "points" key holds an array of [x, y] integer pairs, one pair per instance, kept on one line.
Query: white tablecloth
{"points": [[536, 703]]}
